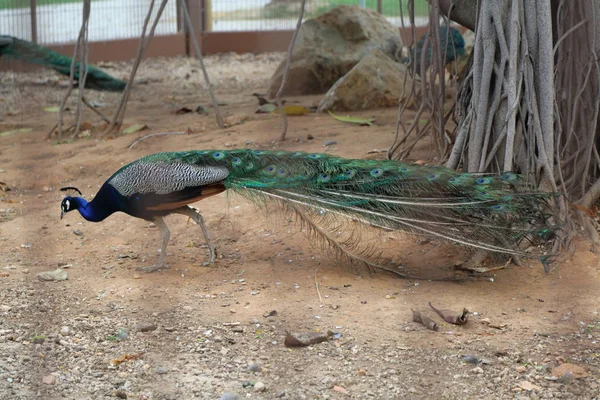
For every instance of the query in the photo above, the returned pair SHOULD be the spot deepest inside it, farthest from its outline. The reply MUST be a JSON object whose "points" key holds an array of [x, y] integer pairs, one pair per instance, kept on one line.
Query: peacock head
{"points": [[69, 203]]}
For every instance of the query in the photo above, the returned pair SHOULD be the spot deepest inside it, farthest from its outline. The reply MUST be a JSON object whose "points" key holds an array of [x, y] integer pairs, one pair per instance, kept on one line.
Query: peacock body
{"points": [[452, 45], [488, 212], [33, 53]]}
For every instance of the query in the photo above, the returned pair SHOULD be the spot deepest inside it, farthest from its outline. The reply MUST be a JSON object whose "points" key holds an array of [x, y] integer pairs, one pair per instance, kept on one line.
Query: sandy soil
{"points": [[205, 332]]}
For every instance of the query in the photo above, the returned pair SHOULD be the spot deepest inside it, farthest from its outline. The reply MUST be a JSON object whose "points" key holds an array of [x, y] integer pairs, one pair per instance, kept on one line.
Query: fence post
{"points": [[33, 15], [379, 7], [195, 9]]}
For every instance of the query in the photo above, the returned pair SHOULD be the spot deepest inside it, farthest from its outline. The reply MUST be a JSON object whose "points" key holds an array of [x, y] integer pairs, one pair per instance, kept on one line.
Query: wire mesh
{"points": [[58, 21], [260, 15]]}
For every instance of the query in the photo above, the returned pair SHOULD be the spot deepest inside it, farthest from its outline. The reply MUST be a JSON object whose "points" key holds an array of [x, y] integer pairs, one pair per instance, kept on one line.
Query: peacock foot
{"points": [[153, 268], [211, 259]]}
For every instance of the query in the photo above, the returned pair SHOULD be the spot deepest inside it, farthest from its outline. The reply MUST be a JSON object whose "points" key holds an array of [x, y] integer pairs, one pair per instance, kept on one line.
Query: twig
{"points": [[83, 65], [317, 286], [192, 33], [117, 120], [286, 71], [131, 146], [94, 109], [63, 102]]}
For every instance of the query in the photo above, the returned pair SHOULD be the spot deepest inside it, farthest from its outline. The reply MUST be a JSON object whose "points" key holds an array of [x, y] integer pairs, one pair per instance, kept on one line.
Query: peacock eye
{"points": [[218, 155], [376, 173], [236, 161], [270, 170], [324, 177]]}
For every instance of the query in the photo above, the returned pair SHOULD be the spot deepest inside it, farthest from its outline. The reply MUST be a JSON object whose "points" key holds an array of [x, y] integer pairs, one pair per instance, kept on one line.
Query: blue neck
{"points": [[93, 211]]}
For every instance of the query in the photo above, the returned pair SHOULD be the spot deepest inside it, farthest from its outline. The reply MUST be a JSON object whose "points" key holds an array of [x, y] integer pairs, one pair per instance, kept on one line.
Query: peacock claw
{"points": [[153, 268]]}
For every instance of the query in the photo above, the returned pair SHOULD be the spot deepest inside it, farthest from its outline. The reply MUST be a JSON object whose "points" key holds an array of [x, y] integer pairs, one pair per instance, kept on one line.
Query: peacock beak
{"points": [[62, 213]]}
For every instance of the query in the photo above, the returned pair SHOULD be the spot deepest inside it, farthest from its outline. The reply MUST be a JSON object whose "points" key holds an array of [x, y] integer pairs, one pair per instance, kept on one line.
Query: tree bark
{"points": [[463, 12]]}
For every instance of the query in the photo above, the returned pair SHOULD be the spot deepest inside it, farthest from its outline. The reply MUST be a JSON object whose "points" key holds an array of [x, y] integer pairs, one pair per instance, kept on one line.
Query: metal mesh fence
{"points": [[59, 21], [258, 15]]}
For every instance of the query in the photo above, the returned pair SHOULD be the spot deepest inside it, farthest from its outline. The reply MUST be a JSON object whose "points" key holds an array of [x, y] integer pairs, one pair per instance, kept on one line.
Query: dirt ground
{"points": [[206, 332]]}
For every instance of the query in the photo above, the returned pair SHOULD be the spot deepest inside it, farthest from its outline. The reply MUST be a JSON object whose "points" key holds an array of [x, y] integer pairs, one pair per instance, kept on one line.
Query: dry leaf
{"points": [[4, 187], [135, 128], [452, 317], [479, 270], [587, 211], [293, 110], [425, 320], [126, 357], [266, 108], [261, 99], [353, 120], [303, 339], [11, 132], [183, 110]]}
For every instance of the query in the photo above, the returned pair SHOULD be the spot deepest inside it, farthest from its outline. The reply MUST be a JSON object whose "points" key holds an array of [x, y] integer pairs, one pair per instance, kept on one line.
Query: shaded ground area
{"points": [[198, 332]]}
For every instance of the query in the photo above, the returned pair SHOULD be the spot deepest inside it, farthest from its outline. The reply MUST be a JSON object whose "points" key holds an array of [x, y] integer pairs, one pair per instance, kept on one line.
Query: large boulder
{"points": [[329, 46], [376, 81]]}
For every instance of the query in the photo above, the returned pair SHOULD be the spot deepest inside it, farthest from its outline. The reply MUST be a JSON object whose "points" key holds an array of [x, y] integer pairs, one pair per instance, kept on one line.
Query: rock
{"points": [[65, 331], [145, 327], [56, 275], [565, 368], [49, 379], [259, 387], [528, 386], [253, 367], [477, 370], [161, 371], [376, 81], [229, 396], [329, 46], [470, 359]]}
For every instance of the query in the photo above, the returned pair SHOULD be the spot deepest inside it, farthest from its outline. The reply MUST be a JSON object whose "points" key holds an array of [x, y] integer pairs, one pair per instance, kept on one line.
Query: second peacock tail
{"points": [[34, 53], [488, 212], [452, 48]]}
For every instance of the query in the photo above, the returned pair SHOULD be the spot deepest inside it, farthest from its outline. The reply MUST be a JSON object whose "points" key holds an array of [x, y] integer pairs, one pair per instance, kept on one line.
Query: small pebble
{"points": [[477, 370], [145, 327], [49, 379], [470, 359], [161, 370], [253, 367], [259, 387], [65, 331], [56, 275], [229, 396]]}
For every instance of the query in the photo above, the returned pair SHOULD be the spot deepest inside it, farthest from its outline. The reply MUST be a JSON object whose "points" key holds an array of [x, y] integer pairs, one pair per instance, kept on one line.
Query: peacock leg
{"points": [[165, 235], [195, 215]]}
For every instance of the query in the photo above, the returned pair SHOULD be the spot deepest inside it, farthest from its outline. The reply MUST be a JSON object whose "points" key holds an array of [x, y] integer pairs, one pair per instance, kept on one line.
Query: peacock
{"points": [[452, 44], [491, 212], [33, 53]]}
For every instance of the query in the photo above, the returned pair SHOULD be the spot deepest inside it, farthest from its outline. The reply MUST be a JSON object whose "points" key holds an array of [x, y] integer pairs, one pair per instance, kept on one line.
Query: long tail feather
{"points": [[482, 211]]}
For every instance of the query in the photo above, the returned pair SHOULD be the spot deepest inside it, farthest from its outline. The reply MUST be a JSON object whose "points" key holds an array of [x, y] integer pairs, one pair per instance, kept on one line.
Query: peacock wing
{"points": [[163, 185]]}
